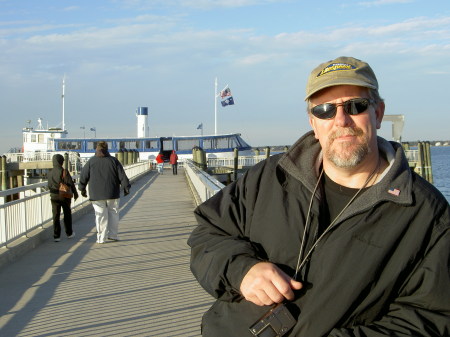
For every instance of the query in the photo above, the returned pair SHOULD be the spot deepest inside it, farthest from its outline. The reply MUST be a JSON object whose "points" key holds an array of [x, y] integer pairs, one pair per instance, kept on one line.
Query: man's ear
{"points": [[312, 122], [379, 113]]}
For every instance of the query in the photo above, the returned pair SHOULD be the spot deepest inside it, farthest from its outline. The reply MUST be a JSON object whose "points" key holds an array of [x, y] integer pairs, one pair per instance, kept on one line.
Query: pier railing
{"points": [[33, 208], [203, 185]]}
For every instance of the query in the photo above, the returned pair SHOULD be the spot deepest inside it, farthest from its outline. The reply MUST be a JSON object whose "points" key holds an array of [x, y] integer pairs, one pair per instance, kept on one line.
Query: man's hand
{"points": [[126, 191], [83, 193], [266, 284]]}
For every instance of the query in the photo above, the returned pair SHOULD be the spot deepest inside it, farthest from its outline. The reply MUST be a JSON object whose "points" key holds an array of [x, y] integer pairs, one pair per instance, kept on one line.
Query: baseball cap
{"points": [[341, 71]]}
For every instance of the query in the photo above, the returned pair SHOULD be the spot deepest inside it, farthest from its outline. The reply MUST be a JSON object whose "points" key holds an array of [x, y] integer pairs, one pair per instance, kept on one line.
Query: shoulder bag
{"points": [[64, 190]]}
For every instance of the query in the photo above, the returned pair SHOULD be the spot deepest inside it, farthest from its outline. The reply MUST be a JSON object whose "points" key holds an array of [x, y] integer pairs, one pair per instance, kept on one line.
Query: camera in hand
{"points": [[275, 323]]}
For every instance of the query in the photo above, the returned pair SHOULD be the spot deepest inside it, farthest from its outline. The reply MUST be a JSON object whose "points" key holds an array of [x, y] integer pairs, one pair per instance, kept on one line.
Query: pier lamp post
{"points": [[84, 131], [95, 131]]}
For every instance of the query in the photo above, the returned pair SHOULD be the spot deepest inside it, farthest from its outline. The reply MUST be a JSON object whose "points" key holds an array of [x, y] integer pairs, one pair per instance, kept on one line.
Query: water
{"points": [[440, 162]]}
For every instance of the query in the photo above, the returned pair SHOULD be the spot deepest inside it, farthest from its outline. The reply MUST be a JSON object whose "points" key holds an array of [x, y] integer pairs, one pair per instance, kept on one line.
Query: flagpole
{"points": [[62, 96], [215, 107]]}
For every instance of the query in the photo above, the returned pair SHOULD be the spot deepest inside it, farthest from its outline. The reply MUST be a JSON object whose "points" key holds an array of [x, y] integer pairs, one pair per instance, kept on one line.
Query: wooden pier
{"points": [[139, 286]]}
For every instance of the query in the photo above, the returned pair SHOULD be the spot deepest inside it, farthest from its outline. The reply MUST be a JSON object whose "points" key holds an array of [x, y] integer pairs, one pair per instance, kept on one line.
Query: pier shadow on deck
{"points": [[139, 286]]}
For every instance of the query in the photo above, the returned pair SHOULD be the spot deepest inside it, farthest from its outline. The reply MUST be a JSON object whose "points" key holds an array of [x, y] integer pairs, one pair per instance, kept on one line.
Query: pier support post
{"points": [[428, 171], [424, 165], [420, 160], [267, 152], [3, 172], [66, 161], [236, 160], [203, 162], [120, 156]]}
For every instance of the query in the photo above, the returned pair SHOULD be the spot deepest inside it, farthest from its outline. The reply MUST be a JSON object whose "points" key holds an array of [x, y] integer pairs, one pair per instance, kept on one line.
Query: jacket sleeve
{"points": [[69, 181], [422, 307], [221, 253], [124, 181], [84, 177]]}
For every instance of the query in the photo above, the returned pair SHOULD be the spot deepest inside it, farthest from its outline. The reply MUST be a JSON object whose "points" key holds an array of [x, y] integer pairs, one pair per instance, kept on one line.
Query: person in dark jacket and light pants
{"points": [[105, 176], [55, 176]]}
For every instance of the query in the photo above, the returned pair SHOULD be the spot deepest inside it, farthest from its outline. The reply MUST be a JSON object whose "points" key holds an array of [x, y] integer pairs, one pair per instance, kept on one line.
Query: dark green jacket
{"points": [[382, 271]]}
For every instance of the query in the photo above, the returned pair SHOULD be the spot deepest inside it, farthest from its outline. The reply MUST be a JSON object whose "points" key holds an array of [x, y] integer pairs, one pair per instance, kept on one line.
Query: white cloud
{"points": [[255, 59], [196, 4], [208, 4], [384, 2], [71, 8]]}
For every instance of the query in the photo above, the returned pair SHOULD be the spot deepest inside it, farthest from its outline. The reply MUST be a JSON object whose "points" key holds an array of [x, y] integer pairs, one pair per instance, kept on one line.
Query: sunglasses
{"points": [[352, 107]]}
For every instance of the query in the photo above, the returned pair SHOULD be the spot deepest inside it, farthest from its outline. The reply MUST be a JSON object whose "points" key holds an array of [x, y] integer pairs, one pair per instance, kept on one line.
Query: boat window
{"points": [[130, 144], [187, 144], [33, 138], [151, 144], [91, 145], [40, 138], [167, 145], [69, 145], [220, 143]]}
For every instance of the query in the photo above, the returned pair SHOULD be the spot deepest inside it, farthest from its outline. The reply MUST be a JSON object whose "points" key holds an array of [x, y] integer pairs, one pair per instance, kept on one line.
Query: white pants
{"points": [[106, 219]]}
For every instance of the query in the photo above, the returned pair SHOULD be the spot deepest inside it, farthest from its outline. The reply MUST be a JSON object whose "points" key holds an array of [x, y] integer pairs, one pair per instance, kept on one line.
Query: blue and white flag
{"points": [[226, 97]]}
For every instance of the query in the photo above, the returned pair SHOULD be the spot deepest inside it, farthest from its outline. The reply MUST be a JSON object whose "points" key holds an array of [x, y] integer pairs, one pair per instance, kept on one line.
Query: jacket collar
{"points": [[303, 161]]}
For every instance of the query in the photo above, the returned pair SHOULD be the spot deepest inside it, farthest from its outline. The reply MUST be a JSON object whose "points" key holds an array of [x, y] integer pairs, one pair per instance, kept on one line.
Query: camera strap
{"points": [[303, 258]]}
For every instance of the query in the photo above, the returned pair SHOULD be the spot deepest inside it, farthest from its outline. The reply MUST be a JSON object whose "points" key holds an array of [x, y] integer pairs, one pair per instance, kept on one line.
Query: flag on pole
{"points": [[200, 126], [226, 97]]}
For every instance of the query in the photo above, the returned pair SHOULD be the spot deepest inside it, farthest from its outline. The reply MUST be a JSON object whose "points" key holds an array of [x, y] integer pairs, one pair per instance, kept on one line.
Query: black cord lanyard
{"points": [[302, 260]]}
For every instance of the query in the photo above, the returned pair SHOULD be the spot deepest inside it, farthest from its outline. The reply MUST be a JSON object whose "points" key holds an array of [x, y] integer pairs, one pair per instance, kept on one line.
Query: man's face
{"points": [[346, 140]]}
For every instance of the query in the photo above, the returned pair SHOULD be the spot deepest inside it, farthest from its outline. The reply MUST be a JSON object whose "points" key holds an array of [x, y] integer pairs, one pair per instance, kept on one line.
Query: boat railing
{"points": [[32, 156], [243, 161], [32, 208], [203, 185]]}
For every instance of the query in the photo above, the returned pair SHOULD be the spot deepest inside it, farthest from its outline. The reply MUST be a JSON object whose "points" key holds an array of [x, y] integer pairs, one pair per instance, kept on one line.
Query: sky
{"points": [[118, 55]]}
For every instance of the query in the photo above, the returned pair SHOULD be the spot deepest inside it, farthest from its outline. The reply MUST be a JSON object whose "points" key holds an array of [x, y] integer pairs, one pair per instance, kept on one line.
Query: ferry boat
{"points": [[41, 143], [215, 146]]}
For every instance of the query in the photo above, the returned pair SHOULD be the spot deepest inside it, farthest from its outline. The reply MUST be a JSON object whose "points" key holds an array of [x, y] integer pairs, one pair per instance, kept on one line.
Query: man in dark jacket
{"points": [[338, 228], [105, 176], [54, 178]]}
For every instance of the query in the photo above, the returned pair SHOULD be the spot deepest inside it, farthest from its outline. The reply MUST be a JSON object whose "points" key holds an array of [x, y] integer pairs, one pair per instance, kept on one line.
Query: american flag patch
{"points": [[394, 191]]}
